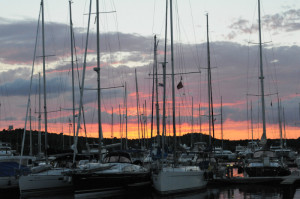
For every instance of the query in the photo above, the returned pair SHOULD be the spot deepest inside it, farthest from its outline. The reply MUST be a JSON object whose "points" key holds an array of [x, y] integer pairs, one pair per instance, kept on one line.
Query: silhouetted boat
{"points": [[115, 173]]}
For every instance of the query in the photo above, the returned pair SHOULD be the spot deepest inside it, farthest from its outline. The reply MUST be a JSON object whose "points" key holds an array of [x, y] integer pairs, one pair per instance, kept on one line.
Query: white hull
{"points": [[173, 180], [49, 182]]}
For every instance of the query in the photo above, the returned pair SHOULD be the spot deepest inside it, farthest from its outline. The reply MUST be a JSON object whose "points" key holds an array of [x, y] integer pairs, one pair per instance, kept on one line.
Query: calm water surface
{"points": [[211, 192], [224, 192]]}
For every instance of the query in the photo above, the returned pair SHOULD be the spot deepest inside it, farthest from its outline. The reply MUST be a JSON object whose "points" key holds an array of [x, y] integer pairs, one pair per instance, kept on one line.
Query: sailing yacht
{"points": [[45, 178], [115, 172], [264, 161], [174, 178]]}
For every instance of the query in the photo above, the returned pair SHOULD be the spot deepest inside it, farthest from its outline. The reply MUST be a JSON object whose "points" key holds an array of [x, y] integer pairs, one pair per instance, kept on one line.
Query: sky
{"points": [[127, 30]]}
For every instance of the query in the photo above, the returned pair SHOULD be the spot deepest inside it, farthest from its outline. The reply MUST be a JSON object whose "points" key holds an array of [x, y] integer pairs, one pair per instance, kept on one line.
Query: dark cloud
{"points": [[287, 21], [18, 39], [9, 119], [20, 87]]}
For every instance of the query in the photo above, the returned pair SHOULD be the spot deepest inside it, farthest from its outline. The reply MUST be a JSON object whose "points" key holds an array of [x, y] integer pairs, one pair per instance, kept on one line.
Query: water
{"points": [[252, 191], [220, 192]]}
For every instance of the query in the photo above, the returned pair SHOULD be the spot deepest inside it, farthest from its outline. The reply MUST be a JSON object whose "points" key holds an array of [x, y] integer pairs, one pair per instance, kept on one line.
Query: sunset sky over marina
{"points": [[126, 44]]}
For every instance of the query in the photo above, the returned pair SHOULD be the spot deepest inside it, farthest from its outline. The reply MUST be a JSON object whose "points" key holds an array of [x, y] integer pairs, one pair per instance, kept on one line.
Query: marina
{"points": [[104, 112]]}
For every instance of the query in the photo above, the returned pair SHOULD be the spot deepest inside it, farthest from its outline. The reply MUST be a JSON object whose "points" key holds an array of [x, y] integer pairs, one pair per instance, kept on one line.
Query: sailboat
{"points": [[45, 179], [175, 178], [115, 172], [264, 161]]}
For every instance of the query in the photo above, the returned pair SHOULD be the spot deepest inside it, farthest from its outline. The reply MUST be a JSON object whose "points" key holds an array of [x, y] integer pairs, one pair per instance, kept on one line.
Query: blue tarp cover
{"points": [[12, 169]]}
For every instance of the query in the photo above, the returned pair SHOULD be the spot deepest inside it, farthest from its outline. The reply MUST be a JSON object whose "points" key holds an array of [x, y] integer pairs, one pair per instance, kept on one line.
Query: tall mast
{"points": [[280, 122], [208, 79], [126, 146], [173, 81], [112, 122], [200, 122], [264, 135], [284, 127], [252, 128], [44, 79], [152, 102], [222, 121], [156, 93], [72, 66], [137, 104], [40, 119], [30, 152], [98, 82], [164, 79], [145, 124], [192, 122], [82, 85], [121, 133]]}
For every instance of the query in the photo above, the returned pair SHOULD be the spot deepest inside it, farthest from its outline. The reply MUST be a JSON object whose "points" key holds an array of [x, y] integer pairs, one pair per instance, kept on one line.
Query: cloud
{"points": [[20, 87], [241, 25], [286, 21], [18, 39]]}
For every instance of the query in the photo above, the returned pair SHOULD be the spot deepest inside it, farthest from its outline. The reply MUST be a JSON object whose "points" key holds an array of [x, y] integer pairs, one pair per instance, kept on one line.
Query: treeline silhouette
{"points": [[60, 143]]}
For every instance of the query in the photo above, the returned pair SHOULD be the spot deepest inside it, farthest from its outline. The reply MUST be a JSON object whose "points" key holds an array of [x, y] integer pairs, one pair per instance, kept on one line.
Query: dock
{"points": [[281, 180], [287, 183]]}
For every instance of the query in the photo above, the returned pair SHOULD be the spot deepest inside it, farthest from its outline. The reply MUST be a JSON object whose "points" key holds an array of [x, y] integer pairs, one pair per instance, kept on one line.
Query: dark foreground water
{"points": [[253, 191], [220, 192]]}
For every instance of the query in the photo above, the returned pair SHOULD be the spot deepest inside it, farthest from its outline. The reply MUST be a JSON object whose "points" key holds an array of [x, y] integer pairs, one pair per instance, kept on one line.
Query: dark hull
{"points": [[266, 171], [102, 182]]}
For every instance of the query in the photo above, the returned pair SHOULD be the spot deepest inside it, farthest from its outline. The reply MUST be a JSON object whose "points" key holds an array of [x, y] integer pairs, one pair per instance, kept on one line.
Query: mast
{"points": [[284, 127], [98, 82], [143, 126], [44, 79], [210, 98], [144, 121], [30, 152], [164, 79], [192, 122], [152, 107], [121, 133], [252, 127], [126, 146], [222, 122], [173, 83], [280, 122], [264, 135], [208, 79], [112, 122], [137, 104], [72, 66], [156, 93], [40, 119], [200, 122], [82, 86]]}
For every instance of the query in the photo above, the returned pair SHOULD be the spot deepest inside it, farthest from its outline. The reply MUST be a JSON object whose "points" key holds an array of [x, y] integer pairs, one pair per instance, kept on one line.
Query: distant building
{"points": [[10, 127]]}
